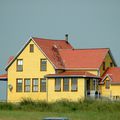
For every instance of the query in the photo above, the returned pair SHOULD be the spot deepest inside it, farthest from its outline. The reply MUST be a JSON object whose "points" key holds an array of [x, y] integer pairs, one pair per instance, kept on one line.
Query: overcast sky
{"points": [[89, 23]]}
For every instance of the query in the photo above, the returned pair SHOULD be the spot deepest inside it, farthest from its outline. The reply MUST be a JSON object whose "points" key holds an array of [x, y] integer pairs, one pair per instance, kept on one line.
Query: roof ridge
{"points": [[85, 49], [49, 39], [89, 48]]}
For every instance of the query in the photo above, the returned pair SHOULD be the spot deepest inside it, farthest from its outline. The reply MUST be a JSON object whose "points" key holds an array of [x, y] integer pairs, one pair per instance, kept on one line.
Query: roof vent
{"points": [[55, 46]]}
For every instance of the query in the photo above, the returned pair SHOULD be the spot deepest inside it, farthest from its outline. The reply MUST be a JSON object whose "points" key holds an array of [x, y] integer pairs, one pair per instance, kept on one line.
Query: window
{"points": [[58, 84], [107, 84], [27, 85], [74, 84], [43, 64], [103, 65], [19, 65], [19, 85], [43, 85], [35, 85], [66, 84], [31, 48], [111, 64]]}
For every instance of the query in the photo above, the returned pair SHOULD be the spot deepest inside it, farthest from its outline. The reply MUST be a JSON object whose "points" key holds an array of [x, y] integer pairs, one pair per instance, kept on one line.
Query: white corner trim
{"points": [[107, 75]]}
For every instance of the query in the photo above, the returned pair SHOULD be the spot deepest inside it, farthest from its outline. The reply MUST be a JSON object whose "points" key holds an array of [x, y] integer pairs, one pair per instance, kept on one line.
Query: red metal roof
{"points": [[10, 59], [62, 55], [3, 76], [73, 74], [83, 58], [51, 47], [113, 73]]}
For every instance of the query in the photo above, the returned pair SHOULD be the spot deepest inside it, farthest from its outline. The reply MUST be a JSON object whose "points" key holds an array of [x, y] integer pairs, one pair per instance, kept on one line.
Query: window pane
{"points": [[58, 84], [19, 81], [35, 89], [27, 82], [27, 89], [66, 84], [20, 62], [43, 65], [74, 84], [43, 85], [19, 68], [35, 81]]}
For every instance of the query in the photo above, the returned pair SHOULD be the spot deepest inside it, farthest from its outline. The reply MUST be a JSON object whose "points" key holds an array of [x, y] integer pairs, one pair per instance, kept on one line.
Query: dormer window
{"points": [[31, 48], [20, 65]]}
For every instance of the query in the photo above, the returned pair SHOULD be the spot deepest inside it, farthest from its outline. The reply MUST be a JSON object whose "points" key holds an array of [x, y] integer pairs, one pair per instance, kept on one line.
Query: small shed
{"points": [[3, 87]]}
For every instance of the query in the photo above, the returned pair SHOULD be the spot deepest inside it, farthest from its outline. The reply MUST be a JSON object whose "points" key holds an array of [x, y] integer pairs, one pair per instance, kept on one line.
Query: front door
{"points": [[88, 86]]}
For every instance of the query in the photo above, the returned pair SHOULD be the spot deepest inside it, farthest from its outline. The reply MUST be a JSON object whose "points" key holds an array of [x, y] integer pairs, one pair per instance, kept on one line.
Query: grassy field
{"points": [[81, 110], [86, 115]]}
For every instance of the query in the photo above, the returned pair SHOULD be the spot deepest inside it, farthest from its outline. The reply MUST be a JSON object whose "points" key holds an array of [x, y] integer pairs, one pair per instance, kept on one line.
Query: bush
{"points": [[63, 106], [6, 106]]}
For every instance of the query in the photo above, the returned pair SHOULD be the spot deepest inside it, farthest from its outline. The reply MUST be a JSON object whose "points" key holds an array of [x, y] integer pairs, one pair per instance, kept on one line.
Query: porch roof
{"points": [[73, 74], [3, 76]]}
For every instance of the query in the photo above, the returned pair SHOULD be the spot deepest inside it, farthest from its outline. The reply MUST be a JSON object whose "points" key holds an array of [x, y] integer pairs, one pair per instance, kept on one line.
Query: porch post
{"points": [[98, 90], [95, 84]]}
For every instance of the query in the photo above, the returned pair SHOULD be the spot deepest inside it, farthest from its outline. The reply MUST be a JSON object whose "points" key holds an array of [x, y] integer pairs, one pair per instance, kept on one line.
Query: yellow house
{"points": [[52, 70]]}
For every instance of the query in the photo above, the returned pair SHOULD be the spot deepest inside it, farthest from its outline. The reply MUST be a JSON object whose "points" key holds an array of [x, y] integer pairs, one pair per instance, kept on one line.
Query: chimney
{"points": [[66, 37]]}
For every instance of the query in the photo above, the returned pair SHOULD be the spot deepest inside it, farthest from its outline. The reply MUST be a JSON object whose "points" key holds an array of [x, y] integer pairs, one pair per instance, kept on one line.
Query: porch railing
{"points": [[93, 93]]}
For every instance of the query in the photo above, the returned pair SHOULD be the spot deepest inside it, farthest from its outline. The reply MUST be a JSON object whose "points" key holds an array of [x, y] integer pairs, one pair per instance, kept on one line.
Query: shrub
{"points": [[63, 106]]}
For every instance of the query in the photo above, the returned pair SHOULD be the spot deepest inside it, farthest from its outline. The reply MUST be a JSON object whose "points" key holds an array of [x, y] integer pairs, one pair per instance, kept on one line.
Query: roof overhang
{"points": [[78, 69], [107, 75], [71, 76]]}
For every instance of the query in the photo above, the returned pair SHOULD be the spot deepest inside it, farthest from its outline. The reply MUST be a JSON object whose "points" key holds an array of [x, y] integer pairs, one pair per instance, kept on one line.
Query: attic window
{"points": [[20, 65], [103, 65], [43, 65], [111, 64], [31, 48], [107, 84]]}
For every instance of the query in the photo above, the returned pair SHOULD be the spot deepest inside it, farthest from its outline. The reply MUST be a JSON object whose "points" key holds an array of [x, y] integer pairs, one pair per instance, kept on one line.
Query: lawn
{"points": [[85, 115]]}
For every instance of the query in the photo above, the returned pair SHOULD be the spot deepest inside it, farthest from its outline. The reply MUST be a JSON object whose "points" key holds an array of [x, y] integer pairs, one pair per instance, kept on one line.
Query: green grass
{"points": [[85, 115], [81, 110]]}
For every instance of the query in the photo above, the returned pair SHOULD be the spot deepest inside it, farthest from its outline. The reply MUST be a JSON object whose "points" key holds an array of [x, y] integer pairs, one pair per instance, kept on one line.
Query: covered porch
{"points": [[92, 88]]}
